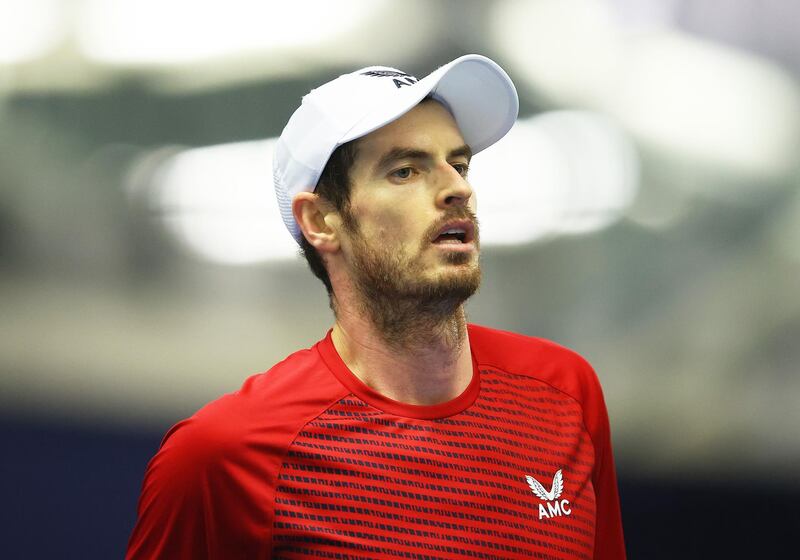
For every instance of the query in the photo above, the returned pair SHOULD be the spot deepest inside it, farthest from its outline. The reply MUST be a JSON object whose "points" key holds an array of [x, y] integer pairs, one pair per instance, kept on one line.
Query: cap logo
{"points": [[400, 79]]}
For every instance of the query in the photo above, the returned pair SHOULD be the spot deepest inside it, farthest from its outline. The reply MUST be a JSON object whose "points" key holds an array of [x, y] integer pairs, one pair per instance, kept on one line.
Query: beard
{"points": [[407, 306]]}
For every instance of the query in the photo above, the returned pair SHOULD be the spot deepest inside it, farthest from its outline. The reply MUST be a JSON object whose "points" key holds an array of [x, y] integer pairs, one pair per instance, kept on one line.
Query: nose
{"points": [[454, 190]]}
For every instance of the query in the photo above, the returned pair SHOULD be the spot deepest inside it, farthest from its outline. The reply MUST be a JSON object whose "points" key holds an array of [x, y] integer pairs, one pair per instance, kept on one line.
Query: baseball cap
{"points": [[477, 92]]}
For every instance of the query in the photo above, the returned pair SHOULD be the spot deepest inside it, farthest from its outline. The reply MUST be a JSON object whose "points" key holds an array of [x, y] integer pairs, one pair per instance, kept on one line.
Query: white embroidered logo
{"points": [[555, 508]]}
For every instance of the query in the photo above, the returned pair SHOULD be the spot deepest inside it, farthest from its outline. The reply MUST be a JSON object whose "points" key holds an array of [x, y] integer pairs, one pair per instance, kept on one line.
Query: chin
{"points": [[459, 283], [460, 258]]}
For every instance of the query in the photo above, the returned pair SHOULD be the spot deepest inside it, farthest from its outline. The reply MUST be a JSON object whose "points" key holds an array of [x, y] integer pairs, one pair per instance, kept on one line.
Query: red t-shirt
{"points": [[307, 461]]}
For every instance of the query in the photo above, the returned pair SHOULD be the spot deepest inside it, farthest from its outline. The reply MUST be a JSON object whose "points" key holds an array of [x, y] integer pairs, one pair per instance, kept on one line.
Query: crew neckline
{"points": [[331, 357]]}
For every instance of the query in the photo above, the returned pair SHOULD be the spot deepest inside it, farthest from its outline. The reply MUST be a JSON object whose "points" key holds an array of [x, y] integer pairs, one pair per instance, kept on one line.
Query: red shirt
{"points": [[307, 461]]}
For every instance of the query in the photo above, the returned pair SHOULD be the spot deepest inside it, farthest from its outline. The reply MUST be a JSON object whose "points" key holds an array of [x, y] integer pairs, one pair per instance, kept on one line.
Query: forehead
{"points": [[429, 126]]}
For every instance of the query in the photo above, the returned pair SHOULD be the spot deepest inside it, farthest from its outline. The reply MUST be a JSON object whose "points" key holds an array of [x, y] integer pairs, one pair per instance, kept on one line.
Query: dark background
{"points": [[71, 492]]}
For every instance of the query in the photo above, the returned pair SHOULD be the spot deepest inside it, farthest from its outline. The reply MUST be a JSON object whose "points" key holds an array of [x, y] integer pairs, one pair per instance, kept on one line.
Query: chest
{"points": [[510, 477]]}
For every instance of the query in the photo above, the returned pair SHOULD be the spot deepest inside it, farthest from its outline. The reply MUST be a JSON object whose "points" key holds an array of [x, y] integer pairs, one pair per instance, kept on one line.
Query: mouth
{"points": [[456, 233]]}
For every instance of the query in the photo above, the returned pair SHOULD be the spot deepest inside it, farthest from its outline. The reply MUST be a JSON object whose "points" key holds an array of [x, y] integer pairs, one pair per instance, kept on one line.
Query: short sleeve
{"points": [[609, 539], [203, 496]]}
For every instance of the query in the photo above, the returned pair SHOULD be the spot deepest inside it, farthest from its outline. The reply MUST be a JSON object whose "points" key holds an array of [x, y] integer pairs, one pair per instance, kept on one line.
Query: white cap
{"points": [[478, 93]]}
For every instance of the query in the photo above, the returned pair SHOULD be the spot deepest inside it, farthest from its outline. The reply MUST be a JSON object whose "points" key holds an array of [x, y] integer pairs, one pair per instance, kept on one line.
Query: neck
{"points": [[417, 354], [409, 326]]}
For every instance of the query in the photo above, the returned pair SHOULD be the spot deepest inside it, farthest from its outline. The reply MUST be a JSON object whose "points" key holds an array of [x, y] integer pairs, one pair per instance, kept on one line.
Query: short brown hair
{"points": [[334, 186]]}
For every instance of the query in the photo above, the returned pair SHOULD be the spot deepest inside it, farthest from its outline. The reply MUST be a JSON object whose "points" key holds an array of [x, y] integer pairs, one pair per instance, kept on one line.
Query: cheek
{"points": [[390, 226], [391, 221]]}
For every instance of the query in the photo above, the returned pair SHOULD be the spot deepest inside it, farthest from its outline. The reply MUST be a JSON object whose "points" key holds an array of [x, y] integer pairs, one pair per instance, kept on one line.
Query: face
{"points": [[410, 232]]}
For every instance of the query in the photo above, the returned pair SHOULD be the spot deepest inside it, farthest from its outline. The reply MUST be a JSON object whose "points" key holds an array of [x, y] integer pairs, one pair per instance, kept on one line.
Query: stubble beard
{"points": [[409, 309]]}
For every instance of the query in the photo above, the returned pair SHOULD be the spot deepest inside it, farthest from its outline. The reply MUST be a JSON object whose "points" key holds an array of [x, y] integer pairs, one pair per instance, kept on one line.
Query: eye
{"points": [[403, 173], [462, 168]]}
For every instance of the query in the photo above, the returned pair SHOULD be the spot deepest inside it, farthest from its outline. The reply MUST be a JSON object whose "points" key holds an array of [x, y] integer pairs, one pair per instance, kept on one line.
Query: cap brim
{"points": [[478, 93]]}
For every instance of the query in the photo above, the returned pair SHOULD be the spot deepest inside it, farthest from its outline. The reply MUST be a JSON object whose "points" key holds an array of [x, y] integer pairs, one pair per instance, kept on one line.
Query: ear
{"points": [[310, 212]]}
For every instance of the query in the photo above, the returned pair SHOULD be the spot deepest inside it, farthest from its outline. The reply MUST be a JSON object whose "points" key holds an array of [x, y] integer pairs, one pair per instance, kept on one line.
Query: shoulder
{"points": [[221, 464], [262, 416], [536, 358]]}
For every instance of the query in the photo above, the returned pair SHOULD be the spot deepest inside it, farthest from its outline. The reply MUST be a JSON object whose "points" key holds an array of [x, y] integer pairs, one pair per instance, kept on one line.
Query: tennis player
{"points": [[406, 432]]}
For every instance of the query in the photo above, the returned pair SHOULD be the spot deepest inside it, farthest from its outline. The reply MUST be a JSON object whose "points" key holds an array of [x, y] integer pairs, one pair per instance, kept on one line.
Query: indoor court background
{"points": [[644, 211]]}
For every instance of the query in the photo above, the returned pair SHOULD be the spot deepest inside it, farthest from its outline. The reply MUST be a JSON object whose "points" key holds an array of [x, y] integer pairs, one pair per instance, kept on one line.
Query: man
{"points": [[405, 432]]}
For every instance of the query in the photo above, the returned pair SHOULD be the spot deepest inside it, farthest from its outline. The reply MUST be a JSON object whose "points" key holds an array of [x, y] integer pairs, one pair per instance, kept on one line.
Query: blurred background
{"points": [[645, 211]]}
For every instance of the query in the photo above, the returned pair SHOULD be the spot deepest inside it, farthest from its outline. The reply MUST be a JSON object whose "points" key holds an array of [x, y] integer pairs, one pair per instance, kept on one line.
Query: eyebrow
{"points": [[396, 154]]}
